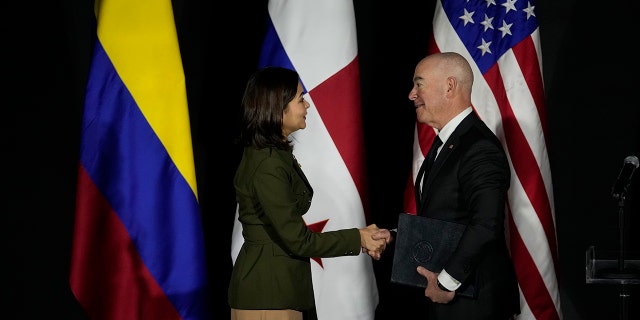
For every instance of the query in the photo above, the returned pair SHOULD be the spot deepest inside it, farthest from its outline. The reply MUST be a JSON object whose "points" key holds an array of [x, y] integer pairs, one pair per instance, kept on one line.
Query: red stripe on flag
{"points": [[409, 197], [426, 135], [527, 171], [343, 120], [522, 158], [105, 261], [432, 45], [525, 53], [531, 283]]}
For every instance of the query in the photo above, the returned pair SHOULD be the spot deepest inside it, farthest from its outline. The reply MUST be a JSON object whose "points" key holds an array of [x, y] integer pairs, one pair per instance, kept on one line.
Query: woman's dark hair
{"points": [[265, 97]]}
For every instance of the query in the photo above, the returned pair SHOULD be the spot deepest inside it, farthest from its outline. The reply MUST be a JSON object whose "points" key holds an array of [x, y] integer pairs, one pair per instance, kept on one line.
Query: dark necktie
{"points": [[426, 165]]}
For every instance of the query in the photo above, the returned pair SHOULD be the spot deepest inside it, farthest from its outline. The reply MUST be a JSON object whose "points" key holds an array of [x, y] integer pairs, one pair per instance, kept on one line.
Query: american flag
{"points": [[501, 39], [318, 39]]}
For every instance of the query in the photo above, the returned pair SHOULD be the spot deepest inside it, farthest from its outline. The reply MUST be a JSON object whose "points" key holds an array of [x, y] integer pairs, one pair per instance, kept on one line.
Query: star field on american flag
{"points": [[495, 27]]}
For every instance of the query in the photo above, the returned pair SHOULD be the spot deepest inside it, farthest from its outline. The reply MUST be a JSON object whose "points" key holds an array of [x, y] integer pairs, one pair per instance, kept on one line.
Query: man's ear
{"points": [[452, 83]]}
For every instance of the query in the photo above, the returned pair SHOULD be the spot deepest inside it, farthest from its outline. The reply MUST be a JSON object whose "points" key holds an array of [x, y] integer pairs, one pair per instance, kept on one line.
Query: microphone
{"points": [[624, 177]]}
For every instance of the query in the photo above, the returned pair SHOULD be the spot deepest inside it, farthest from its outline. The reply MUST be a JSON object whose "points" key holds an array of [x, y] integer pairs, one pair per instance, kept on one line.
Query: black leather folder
{"points": [[427, 242]]}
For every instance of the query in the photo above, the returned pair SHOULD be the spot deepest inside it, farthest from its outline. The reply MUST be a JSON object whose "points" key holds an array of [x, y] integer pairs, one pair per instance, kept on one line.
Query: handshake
{"points": [[374, 240]]}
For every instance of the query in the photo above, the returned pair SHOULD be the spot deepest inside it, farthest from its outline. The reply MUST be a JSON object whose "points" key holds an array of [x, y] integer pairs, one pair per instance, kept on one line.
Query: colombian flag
{"points": [[138, 245]]}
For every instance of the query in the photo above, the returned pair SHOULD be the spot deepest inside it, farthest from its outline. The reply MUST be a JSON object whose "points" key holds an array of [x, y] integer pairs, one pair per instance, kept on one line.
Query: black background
{"points": [[590, 71]]}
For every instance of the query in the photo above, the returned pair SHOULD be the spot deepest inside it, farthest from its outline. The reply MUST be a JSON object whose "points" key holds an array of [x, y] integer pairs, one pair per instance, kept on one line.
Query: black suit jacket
{"points": [[468, 184]]}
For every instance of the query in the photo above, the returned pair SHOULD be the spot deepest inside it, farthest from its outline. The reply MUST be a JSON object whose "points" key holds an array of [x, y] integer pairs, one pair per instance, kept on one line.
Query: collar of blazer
{"points": [[297, 167]]}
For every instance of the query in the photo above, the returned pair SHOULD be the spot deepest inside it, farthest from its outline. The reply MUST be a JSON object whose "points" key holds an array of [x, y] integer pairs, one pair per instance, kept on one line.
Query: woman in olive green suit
{"points": [[271, 277]]}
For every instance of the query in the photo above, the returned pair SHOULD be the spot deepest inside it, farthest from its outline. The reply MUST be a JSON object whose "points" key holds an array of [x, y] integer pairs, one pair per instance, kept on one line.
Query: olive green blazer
{"points": [[272, 270]]}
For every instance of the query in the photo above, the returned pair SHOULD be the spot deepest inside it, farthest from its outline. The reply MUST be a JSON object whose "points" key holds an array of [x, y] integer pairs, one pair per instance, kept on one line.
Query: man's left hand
{"points": [[432, 291]]}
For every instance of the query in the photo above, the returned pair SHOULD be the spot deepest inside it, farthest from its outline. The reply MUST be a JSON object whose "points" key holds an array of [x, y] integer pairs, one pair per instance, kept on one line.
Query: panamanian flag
{"points": [[318, 39]]}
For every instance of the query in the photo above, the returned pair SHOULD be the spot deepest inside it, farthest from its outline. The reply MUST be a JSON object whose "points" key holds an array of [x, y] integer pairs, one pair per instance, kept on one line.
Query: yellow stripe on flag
{"points": [[140, 38]]}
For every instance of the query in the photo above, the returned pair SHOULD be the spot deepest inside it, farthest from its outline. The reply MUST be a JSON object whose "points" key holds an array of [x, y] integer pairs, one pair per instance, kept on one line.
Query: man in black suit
{"points": [[467, 183]]}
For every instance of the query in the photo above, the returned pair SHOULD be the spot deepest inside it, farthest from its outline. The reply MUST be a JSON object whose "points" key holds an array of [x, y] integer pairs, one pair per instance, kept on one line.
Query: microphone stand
{"points": [[622, 273]]}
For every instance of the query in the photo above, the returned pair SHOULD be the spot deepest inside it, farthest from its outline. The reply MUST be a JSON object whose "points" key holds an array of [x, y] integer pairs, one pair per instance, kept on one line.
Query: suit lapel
{"points": [[288, 156], [447, 149], [298, 168]]}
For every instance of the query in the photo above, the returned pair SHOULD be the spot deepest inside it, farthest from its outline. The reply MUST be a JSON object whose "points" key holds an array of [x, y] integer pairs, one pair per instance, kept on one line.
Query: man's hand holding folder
{"points": [[427, 243], [432, 291]]}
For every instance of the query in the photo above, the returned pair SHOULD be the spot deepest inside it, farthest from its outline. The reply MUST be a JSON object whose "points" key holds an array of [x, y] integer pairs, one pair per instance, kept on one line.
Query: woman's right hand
{"points": [[373, 247]]}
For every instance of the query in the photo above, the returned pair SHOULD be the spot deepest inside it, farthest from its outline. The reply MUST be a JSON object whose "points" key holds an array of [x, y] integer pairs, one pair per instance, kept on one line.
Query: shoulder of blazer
{"points": [[285, 156], [260, 155], [470, 130], [474, 126], [254, 159], [467, 123]]}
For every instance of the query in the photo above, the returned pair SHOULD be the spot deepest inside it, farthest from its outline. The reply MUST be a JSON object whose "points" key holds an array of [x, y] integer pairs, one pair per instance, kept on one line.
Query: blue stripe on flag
{"points": [[273, 53], [150, 195]]}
